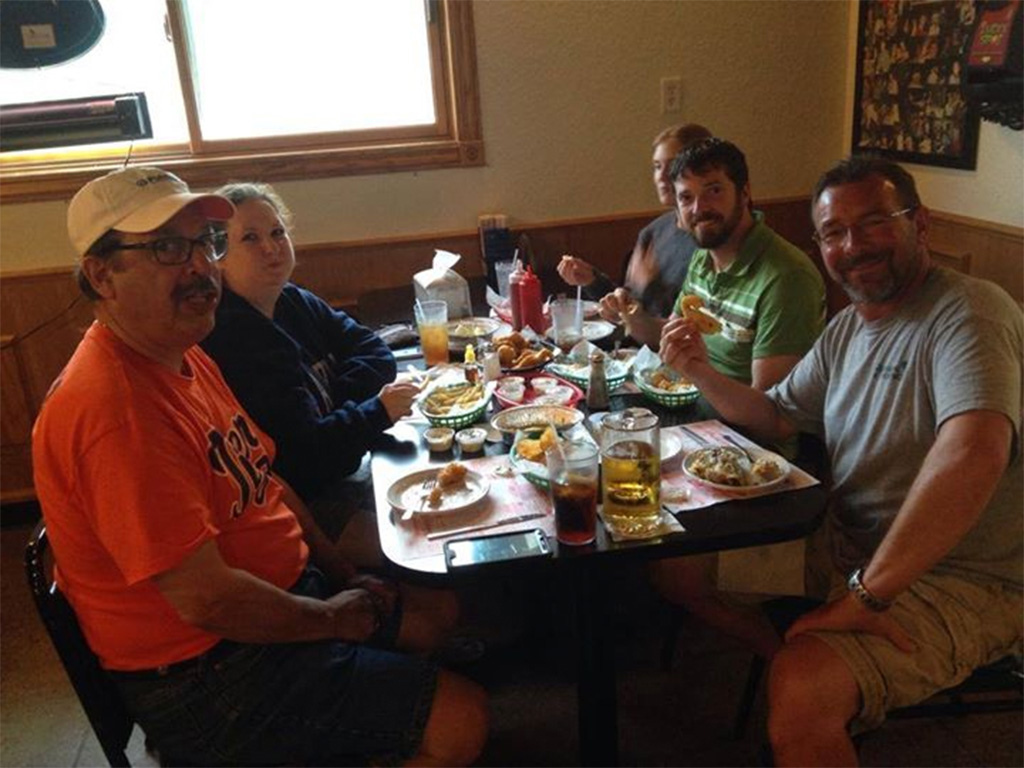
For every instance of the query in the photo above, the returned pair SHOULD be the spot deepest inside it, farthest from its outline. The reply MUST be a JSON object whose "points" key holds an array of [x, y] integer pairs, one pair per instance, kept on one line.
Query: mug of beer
{"points": [[631, 471], [432, 324]]}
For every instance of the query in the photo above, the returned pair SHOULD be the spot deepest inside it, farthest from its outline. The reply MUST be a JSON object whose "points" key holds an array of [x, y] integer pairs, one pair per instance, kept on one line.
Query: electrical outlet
{"points": [[671, 94]]}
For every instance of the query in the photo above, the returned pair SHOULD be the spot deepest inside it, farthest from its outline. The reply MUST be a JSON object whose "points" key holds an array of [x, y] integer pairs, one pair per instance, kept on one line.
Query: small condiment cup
{"points": [[514, 391], [439, 439], [543, 384], [471, 440]]}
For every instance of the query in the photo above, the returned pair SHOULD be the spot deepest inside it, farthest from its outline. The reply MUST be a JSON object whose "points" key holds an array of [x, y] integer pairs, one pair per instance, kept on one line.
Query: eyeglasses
{"points": [[834, 237], [175, 251]]}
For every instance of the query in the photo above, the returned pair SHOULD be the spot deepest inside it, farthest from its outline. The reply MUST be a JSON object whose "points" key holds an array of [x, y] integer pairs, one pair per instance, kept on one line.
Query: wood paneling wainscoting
{"points": [[41, 322]]}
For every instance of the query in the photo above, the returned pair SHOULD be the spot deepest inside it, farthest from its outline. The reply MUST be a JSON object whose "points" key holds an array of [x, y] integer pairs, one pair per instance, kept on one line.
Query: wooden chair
{"points": [[97, 693]]}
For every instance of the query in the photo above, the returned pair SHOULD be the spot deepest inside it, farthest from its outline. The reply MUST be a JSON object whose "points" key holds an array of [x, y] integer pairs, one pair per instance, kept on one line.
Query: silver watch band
{"points": [[871, 600]]}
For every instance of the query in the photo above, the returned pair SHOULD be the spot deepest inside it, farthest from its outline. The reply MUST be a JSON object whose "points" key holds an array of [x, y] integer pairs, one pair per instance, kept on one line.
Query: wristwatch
{"points": [[871, 600]]}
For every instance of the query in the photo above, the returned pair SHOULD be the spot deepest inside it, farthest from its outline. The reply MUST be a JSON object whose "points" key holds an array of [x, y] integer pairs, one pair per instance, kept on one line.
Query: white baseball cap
{"points": [[137, 199]]}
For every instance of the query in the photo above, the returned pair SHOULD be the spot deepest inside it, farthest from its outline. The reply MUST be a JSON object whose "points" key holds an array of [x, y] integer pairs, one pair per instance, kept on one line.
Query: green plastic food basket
{"points": [[661, 397]]}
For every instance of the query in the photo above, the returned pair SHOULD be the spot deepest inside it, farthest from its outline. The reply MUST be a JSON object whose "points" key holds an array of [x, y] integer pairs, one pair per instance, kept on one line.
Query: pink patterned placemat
{"points": [[509, 496], [700, 495]]}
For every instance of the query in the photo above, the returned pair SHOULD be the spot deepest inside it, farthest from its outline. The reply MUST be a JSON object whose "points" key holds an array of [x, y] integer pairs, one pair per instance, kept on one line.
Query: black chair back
{"points": [[98, 694]]}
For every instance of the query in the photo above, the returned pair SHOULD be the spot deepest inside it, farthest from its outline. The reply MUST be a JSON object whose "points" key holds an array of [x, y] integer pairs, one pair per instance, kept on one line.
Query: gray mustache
{"points": [[202, 285], [856, 261]]}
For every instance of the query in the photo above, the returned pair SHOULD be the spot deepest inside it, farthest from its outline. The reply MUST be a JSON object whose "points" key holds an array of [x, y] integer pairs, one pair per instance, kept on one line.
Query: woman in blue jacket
{"points": [[319, 383]]}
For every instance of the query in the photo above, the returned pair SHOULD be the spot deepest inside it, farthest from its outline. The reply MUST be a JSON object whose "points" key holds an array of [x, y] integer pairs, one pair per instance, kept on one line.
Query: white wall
{"points": [[994, 191], [571, 99]]}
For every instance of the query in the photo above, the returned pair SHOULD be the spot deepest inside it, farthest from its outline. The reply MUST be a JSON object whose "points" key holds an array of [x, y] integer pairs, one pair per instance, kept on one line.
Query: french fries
{"points": [[457, 397]]}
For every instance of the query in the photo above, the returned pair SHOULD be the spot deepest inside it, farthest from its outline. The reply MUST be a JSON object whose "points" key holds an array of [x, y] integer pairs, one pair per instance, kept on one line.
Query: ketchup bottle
{"points": [[515, 279], [531, 301]]}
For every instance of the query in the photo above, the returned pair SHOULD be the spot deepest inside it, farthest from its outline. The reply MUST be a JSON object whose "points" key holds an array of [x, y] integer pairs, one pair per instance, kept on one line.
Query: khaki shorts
{"points": [[959, 621]]}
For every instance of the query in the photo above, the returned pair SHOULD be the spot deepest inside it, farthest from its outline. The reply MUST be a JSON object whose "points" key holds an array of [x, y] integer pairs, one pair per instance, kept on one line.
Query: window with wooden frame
{"points": [[267, 89]]}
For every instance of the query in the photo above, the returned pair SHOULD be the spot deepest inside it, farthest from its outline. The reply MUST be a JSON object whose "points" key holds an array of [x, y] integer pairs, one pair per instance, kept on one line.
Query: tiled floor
{"points": [[677, 718]]}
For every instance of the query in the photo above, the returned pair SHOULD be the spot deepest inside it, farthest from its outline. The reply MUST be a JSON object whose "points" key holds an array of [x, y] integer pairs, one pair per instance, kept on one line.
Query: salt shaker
{"points": [[492, 364], [597, 387]]}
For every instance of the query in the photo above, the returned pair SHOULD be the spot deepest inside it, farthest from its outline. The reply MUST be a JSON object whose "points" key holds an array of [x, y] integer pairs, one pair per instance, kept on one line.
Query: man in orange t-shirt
{"points": [[184, 558]]}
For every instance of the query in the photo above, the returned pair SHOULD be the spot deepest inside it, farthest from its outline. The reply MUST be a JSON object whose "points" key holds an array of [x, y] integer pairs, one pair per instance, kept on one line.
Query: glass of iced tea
{"points": [[431, 322], [572, 475], [631, 471]]}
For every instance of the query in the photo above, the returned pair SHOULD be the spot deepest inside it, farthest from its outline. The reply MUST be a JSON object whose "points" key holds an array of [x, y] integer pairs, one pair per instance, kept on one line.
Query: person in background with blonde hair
{"points": [[658, 263], [318, 382]]}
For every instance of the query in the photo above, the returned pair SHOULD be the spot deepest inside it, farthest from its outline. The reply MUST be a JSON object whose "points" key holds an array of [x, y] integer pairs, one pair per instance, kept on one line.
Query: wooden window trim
{"points": [[457, 140]]}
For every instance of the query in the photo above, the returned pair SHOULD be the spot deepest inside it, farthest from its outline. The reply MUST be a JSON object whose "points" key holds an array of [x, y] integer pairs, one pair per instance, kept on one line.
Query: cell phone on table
{"points": [[499, 547]]}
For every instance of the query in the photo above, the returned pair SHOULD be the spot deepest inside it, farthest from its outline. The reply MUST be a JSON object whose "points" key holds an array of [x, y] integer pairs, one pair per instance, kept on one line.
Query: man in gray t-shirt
{"points": [[916, 391]]}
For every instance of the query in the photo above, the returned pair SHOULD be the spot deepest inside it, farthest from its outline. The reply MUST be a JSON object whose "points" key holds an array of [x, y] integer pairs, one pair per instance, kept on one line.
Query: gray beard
{"points": [[886, 291], [881, 295]]}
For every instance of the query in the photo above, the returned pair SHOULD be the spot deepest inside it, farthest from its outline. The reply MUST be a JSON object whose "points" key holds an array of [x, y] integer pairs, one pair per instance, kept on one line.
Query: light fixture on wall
{"points": [[120, 117], [39, 34]]}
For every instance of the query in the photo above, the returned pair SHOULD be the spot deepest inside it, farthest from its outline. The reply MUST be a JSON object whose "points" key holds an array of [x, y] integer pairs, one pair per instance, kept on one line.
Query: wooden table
{"points": [[730, 525]]}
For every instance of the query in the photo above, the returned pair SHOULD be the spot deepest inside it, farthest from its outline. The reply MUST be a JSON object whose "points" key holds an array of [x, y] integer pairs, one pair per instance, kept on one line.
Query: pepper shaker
{"points": [[597, 387]]}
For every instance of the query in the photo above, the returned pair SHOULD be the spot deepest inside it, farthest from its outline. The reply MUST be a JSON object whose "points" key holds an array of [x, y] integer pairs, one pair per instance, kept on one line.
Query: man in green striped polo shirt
{"points": [[771, 300], [768, 292]]}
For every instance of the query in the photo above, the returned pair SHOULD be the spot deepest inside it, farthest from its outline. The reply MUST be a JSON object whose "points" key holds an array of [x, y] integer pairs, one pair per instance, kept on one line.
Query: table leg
{"points": [[596, 693]]}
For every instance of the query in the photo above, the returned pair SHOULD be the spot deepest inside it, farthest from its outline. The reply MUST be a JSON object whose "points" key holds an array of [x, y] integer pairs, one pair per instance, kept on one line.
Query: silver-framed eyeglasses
{"points": [[175, 251], [833, 237]]}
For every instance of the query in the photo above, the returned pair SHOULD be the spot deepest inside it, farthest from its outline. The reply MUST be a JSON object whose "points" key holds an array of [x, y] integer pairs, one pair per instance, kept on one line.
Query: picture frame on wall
{"points": [[910, 104]]}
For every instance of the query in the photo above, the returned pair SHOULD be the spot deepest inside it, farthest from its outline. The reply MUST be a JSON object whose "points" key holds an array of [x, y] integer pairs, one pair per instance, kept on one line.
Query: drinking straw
{"points": [[579, 308]]}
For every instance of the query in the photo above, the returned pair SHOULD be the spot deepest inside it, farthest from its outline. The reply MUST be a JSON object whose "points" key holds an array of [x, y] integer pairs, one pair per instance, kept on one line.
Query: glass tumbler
{"points": [[566, 324], [432, 324], [572, 476]]}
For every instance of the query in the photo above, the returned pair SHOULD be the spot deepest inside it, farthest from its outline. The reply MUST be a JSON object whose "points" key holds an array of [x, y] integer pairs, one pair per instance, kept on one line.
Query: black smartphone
{"points": [[459, 553]]}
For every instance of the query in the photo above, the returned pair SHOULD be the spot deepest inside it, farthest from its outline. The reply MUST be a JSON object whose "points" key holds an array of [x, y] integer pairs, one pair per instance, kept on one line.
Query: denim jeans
{"points": [[325, 702]]}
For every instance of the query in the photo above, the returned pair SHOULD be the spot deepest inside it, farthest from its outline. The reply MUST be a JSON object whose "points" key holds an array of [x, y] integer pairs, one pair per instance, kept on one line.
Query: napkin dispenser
{"points": [[441, 282]]}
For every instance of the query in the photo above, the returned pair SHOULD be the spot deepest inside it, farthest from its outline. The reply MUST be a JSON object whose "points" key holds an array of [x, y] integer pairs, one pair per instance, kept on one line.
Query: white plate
{"points": [[479, 329], [472, 328], [408, 493], [671, 443], [740, 490], [671, 449], [594, 330]]}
